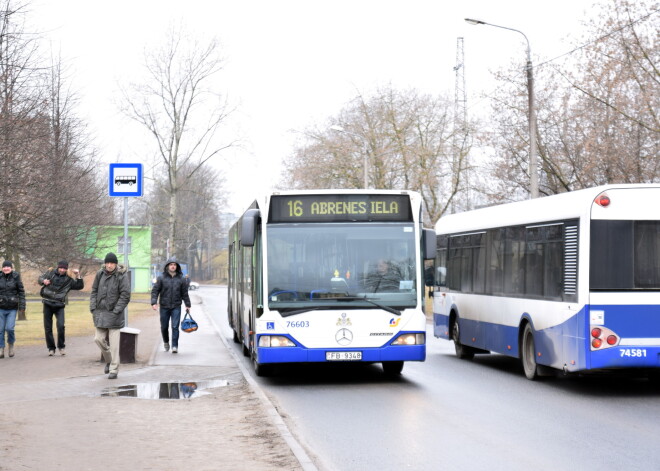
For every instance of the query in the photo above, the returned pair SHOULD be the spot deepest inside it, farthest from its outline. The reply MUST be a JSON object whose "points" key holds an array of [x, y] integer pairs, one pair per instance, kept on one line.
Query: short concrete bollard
{"points": [[128, 337]]}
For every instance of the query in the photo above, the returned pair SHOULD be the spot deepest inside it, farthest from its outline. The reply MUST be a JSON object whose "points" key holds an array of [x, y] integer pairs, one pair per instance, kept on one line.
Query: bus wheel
{"points": [[236, 339], [246, 351], [462, 352], [392, 368], [529, 353]]}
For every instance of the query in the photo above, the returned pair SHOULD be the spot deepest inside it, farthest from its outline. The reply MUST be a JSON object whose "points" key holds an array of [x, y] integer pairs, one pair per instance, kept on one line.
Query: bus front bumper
{"points": [[367, 355]]}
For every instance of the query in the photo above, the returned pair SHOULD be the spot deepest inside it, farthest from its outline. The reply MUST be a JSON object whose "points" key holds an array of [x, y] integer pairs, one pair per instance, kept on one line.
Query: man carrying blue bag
{"points": [[172, 289]]}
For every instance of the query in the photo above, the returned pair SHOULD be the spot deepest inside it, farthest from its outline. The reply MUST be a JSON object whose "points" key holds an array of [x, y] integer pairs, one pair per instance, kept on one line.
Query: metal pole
{"points": [[126, 251], [533, 164]]}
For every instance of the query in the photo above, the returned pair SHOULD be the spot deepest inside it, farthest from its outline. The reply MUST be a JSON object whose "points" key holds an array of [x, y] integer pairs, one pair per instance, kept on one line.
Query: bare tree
{"points": [[19, 106], [51, 194], [73, 202], [178, 107], [597, 110], [198, 212], [404, 137]]}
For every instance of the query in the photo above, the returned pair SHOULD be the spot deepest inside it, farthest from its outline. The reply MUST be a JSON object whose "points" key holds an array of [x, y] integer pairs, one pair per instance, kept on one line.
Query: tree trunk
{"points": [[172, 221]]}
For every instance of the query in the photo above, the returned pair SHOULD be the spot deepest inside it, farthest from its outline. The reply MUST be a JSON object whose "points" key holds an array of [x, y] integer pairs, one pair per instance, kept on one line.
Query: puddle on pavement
{"points": [[188, 390]]}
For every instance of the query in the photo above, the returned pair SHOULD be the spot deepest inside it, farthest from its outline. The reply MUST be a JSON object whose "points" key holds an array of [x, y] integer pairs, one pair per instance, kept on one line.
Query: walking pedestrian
{"points": [[172, 289], [56, 284], [111, 293], [12, 299]]}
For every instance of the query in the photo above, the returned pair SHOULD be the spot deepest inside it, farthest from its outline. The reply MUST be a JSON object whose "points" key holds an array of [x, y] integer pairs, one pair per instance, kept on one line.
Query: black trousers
{"points": [[58, 312]]}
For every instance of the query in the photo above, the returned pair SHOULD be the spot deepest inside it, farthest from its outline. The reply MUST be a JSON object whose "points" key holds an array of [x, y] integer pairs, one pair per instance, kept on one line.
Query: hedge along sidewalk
{"points": [[77, 318]]}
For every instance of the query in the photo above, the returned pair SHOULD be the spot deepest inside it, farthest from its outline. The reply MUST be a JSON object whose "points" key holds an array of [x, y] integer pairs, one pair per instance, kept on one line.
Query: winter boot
{"points": [[11, 349], [2, 352]]}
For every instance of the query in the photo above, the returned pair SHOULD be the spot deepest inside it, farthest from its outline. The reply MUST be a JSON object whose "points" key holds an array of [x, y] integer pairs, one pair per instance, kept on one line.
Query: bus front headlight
{"points": [[410, 339], [275, 341]]}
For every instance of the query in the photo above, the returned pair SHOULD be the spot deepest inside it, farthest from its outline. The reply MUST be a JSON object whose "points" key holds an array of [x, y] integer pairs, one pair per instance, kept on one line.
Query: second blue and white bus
{"points": [[330, 276], [570, 281]]}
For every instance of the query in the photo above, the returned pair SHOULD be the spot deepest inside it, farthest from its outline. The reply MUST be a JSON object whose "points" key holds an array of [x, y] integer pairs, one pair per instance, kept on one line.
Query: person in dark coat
{"points": [[12, 299], [56, 286], [173, 290], [111, 293]]}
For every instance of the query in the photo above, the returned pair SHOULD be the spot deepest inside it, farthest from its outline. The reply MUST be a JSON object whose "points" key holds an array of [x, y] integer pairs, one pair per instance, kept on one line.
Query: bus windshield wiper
{"points": [[293, 312], [359, 298]]}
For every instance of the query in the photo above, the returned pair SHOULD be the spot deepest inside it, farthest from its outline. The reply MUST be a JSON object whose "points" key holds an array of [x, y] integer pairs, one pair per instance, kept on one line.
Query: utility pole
{"points": [[533, 146]]}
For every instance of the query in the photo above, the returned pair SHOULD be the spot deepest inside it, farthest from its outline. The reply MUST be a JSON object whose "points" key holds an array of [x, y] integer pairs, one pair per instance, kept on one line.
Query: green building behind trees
{"points": [[111, 239]]}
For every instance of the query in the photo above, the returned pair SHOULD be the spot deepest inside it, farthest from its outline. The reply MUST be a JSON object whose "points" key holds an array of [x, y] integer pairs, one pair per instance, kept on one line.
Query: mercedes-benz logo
{"points": [[344, 336]]}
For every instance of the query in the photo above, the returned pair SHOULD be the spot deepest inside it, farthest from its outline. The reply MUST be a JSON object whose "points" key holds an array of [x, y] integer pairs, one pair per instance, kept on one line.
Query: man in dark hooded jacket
{"points": [[172, 289]]}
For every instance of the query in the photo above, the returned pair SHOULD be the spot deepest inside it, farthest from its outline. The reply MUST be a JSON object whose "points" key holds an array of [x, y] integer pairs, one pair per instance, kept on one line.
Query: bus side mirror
{"points": [[249, 227], [429, 240]]}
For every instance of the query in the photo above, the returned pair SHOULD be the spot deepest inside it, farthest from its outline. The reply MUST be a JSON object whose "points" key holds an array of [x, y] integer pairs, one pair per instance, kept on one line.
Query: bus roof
{"points": [[550, 208]]}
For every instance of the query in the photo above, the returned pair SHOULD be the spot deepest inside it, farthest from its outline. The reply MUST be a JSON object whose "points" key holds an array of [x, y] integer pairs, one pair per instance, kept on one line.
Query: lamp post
{"points": [[336, 127], [533, 165]]}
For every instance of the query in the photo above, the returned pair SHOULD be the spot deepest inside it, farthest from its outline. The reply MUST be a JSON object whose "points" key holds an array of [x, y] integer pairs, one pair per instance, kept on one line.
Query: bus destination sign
{"points": [[339, 208]]}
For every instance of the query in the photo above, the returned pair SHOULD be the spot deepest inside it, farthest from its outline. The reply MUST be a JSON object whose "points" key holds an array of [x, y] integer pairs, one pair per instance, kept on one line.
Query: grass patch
{"points": [[78, 320]]}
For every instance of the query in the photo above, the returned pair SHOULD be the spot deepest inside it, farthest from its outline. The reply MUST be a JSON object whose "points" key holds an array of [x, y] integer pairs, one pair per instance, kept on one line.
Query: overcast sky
{"points": [[293, 63]]}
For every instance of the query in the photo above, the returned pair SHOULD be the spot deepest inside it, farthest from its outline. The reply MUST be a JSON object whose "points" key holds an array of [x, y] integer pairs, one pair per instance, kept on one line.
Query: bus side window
{"points": [[441, 276], [441, 261]]}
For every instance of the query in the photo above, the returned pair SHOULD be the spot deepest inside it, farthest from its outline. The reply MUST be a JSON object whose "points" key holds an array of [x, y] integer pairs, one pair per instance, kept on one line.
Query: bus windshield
{"points": [[341, 265]]}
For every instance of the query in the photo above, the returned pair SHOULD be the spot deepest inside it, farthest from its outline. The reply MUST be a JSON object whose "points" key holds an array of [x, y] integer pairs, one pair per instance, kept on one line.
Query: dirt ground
{"points": [[226, 429]]}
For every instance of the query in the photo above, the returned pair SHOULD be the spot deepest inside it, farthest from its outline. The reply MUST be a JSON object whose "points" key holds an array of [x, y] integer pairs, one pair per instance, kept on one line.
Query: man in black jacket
{"points": [[12, 299], [172, 289], [56, 286]]}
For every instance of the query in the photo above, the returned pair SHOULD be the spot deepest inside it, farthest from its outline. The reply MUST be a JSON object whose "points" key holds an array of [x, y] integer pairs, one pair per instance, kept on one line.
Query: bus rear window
{"points": [[625, 255]]}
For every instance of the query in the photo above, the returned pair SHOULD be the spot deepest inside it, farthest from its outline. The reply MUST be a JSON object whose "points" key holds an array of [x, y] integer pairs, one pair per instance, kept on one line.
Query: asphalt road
{"points": [[447, 413]]}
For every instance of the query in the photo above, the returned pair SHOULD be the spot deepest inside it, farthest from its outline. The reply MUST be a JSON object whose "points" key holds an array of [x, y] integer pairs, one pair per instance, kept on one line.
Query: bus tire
{"points": [[246, 350], [528, 353], [236, 339], [392, 368], [462, 351]]}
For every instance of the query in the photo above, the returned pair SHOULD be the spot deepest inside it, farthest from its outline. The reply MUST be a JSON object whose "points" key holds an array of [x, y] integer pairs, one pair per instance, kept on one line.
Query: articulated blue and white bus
{"points": [[330, 276], [570, 281]]}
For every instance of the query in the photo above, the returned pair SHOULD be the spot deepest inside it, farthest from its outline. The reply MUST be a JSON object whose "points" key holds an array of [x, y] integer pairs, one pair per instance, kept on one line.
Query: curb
{"points": [[295, 446]]}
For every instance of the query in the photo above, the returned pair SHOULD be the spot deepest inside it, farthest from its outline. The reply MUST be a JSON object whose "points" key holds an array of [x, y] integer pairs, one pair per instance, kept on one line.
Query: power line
{"points": [[627, 25], [600, 38]]}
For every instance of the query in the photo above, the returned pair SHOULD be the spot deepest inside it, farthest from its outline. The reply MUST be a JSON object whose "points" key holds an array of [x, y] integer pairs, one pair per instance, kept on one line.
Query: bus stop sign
{"points": [[125, 180]]}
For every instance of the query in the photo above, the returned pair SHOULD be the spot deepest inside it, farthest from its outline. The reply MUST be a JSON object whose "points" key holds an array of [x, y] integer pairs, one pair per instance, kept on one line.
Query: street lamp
{"points": [[533, 165], [336, 127]]}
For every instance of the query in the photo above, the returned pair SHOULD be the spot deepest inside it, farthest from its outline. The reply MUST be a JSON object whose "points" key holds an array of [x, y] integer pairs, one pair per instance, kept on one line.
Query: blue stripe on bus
{"points": [[300, 354], [567, 344]]}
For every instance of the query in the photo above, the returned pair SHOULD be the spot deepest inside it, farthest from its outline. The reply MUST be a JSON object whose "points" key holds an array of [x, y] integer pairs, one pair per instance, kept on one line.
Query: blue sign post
{"points": [[125, 180]]}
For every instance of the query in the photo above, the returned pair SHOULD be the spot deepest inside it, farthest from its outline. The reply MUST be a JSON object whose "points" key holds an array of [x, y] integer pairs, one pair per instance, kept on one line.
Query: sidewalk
{"points": [[52, 414]]}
